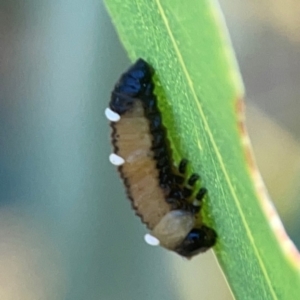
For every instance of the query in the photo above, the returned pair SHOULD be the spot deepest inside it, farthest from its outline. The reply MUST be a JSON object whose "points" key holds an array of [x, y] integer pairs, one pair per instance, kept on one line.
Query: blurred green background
{"points": [[66, 228]]}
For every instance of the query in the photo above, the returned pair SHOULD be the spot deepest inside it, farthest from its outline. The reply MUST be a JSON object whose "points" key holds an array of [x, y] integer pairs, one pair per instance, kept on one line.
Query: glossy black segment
{"points": [[192, 180], [120, 103], [182, 166], [200, 195], [198, 240], [136, 81]]}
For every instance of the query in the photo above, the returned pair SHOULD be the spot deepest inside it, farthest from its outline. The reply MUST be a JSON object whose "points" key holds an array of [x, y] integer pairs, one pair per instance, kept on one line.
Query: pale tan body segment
{"points": [[133, 142]]}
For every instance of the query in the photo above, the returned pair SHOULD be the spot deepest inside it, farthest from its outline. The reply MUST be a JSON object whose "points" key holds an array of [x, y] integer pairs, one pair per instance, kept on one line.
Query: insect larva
{"points": [[161, 194]]}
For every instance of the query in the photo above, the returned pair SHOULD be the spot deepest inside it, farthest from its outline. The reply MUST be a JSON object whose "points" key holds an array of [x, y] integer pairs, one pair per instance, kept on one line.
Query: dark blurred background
{"points": [[66, 230]]}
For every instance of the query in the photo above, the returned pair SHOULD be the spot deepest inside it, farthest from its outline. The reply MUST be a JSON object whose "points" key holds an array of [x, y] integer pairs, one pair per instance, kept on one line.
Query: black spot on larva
{"points": [[162, 161], [135, 89], [160, 152], [164, 179], [197, 241], [166, 169], [158, 140], [150, 106], [155, 123], [177, 194]]}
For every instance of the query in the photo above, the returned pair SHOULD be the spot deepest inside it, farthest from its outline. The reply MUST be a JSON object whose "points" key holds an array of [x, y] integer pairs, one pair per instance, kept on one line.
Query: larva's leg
{"points": [[185, 191], [199, 197], [193, 179], [182, 166], [201, 194], [177, 204], [179, 175]]}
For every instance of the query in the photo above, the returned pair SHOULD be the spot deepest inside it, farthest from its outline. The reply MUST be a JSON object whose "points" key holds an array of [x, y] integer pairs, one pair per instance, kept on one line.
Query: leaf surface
{"points": [[200, 93]]}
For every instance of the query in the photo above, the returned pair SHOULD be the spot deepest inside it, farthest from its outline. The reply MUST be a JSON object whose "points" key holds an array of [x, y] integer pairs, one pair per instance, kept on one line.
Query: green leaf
{"points": [[200, 94]]}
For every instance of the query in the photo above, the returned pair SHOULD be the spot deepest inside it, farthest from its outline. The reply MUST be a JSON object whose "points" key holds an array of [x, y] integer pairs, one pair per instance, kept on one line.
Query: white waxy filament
{"points": [[116, 159], [151, 240], [111, 115]]}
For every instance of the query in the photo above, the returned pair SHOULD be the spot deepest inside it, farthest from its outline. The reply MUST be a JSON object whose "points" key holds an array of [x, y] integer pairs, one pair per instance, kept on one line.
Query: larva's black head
{"points": [[134, 83], [198, 240]]}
